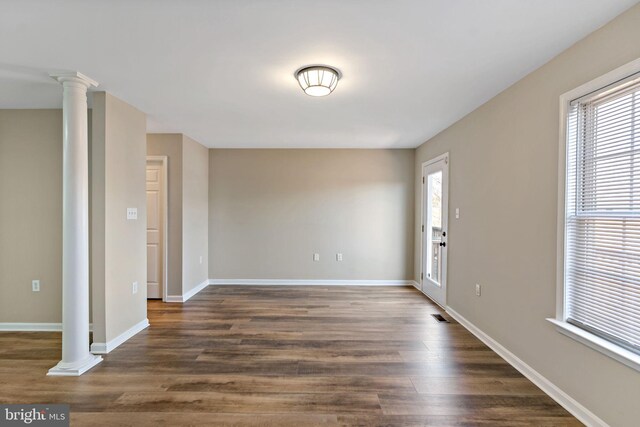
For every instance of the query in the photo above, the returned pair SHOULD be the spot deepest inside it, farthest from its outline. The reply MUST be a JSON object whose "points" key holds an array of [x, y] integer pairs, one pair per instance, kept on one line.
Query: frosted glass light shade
{"points": [[318, 80]]}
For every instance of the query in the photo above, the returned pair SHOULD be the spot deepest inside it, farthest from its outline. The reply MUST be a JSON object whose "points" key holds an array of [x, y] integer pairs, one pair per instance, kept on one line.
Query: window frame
{"points": [[609, 348]]}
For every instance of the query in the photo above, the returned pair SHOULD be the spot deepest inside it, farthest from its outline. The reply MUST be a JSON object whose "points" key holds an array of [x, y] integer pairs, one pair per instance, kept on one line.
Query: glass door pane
{"points": [[434, 226]]}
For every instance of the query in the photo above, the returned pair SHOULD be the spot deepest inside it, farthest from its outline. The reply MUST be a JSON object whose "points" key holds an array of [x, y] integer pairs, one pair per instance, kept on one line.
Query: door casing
{"points": [[163, 161]]}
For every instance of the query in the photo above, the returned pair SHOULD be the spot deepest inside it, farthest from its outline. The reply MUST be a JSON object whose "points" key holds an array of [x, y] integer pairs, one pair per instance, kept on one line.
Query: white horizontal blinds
{"points": [[602, 286]]}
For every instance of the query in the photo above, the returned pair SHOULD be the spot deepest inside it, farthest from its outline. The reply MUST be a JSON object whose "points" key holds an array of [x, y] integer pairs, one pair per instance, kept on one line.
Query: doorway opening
{"points": [[157, 221]]}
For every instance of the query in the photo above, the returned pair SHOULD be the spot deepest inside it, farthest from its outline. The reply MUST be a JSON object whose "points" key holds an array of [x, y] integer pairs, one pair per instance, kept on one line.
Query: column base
{"points": [[75, 369]]}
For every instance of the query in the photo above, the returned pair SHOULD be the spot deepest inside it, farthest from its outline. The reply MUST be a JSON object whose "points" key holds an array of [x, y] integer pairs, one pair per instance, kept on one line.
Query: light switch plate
{"points": [[338, 257], [35, 285], [134, 288], [457, 213], [316, 257], [132, 213], [478, 289]]}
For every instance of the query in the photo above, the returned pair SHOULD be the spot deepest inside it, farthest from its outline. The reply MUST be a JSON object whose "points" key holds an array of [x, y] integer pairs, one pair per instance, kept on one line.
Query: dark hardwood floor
{"points": [[286, 356]]}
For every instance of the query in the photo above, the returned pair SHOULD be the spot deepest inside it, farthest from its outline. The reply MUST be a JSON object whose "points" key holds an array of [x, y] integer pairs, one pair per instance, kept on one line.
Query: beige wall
{"points": [[119, 254], [270, 210], [195, 214], [170, 145], [503, 177], [188, 209], [30, 215]]}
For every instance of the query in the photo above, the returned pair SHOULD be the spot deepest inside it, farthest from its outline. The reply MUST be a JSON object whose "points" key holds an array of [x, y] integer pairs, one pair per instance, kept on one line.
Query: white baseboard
{"points": [[34, 327], [104, 348], [292, 282], [31, 327], [416, 285], [567, 402], [189, 294], [195, 290]]}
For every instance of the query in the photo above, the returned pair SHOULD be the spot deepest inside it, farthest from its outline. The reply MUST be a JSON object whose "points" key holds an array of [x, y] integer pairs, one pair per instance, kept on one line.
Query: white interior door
{"points": [[435, 191], [155, 229]]}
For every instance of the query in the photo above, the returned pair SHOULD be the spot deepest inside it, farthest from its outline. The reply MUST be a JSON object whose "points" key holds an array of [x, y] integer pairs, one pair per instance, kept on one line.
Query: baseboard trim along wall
{"points": [[188, 295], [563, 399], [31, 327], [293, 282], [195, 290], [104, 348], [34, 327]]}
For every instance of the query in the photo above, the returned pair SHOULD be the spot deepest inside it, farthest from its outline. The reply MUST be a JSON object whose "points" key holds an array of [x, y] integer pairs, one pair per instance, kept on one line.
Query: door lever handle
{"points": [[443, 244]]}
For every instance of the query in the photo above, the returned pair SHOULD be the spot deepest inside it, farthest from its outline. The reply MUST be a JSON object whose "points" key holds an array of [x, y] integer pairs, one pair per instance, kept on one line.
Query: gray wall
{"points": [[119, 255], [30, 215], [195, 214], [270, 210], [188, 164], [170, 145], [503, 177]]}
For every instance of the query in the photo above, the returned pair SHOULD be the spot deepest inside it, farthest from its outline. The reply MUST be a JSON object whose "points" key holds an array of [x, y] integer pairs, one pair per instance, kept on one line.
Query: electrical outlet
{"points": [[35, 285], [134, 288], [200, 259], [338, 257], [478, 289], [457, 213], [316, 257]]}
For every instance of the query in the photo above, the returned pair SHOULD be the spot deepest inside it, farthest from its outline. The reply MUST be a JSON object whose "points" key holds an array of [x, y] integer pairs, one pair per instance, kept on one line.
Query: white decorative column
{"points": [[76, 358]]}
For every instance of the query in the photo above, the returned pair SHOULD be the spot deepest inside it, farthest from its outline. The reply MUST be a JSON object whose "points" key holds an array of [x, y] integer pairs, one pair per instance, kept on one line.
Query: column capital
{"points": [[73, 76]]}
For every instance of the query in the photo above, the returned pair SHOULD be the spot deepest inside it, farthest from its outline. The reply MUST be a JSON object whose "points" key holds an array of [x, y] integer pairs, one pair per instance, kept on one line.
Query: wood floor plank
{"points": [[202, 419], [470, 356], [286, 356], [453, 421], [255, 403], [490, 406], [291, 384], [427, 369], [258, 367], [495, 386], [302, 344], [324, 355]]}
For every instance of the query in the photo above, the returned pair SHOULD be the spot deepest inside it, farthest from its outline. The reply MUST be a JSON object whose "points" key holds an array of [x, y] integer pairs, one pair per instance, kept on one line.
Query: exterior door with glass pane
{"points": [[435, 187]]}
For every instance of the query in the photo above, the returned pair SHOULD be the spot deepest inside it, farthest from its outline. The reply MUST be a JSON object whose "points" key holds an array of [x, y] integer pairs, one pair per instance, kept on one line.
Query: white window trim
{"points": [[560, 321]]}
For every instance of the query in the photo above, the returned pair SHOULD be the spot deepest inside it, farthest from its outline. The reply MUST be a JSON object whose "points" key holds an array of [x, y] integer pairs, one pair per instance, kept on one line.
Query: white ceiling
{"points": [[221, 72]]}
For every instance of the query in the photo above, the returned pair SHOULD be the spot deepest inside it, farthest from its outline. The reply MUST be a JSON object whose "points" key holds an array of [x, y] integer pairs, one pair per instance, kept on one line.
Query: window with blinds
{"points": [[602, 222]]}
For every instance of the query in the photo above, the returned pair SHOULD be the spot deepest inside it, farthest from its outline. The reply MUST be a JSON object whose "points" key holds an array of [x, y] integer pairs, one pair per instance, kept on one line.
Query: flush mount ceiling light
{"points": [[318, 80]]}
